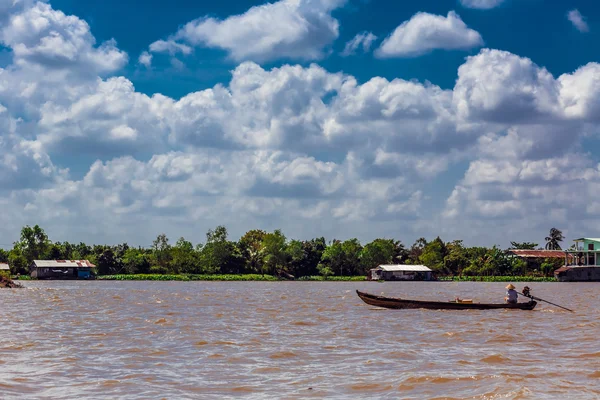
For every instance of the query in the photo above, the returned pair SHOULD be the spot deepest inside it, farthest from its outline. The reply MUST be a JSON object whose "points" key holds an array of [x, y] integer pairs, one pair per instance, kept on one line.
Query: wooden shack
{"points": [[400, 272], [61, 269], [5, 270]]}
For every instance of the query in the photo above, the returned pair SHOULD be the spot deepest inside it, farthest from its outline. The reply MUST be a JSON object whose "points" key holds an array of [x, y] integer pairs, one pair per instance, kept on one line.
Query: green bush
{"points": [[498, 279], [188, 277], [333, 278]]}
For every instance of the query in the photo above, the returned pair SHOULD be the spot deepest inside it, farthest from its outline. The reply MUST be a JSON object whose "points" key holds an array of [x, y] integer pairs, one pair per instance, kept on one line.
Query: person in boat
{"points": [[511, 294]]}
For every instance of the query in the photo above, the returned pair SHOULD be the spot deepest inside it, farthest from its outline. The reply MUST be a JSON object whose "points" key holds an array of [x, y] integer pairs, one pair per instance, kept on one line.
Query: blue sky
{"points": [[537, 29], [468, 119]]}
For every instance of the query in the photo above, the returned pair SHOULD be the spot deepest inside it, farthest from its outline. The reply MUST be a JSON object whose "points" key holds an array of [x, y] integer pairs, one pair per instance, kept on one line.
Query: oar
{"points": [[538, 299]]}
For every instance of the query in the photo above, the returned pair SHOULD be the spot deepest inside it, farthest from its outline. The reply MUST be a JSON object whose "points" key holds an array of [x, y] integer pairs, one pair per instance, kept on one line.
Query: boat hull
{"points": [[395, 303]]}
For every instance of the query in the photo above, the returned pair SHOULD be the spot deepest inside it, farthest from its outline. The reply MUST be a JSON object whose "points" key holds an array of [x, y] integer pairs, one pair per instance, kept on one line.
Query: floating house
{"points": [[61, 269], [582, 262], [4, 269], [400, 272]]}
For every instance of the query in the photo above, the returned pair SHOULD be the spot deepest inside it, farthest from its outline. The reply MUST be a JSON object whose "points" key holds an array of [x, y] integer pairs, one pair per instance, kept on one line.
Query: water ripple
{"points": [[214, 340]]}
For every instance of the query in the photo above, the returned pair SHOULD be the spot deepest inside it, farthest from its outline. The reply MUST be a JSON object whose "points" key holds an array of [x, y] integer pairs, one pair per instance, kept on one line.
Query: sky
{"points": [[475, 120]]}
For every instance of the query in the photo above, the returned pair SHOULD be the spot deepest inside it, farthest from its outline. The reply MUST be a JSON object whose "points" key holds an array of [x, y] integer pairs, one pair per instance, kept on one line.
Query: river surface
{"points": [[286, 340]]}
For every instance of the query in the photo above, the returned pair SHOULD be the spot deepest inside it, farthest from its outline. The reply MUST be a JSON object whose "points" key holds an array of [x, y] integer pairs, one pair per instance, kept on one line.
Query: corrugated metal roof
{"points": [[404, 267], [62, 263], [538, 253], [592, 239], [4, 266]]}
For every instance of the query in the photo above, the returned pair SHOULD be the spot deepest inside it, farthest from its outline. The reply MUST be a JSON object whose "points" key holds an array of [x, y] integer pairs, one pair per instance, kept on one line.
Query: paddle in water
{"points": [[526, 291]]}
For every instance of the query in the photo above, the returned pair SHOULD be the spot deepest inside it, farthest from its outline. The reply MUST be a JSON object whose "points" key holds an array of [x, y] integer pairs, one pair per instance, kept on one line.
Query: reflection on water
{"points": [[219, 340]]}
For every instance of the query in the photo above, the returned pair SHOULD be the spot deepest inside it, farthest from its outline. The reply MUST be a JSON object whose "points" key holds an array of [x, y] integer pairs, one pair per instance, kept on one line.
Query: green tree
{"points": [[296, 256], [17, 262], [456, 259], [523, 245], [250, 246], [184, 257], [352, 250], [137, 261], [108, 263], [4, 256], [304, 257], [379, 251], [549, 265], [333, 258], [488, 262], [82, 251], [218, 253], [67, 250], [554, 239], [34, 243], [415, 250], [433, 255], [274, 251], [161, 251], [324, 271], [401, 254], [55, 252], [518, 266]]}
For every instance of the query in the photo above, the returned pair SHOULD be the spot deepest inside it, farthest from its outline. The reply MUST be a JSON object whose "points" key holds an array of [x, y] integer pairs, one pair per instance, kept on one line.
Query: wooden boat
{"points": [[391, 302]]}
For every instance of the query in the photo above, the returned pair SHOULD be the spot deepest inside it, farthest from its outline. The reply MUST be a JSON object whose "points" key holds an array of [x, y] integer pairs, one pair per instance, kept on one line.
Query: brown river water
{"points": [[286, 340]]}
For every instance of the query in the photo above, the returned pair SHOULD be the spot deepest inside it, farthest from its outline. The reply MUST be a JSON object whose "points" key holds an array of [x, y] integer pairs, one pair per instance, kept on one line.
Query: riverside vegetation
{"points": [[260, 255]]}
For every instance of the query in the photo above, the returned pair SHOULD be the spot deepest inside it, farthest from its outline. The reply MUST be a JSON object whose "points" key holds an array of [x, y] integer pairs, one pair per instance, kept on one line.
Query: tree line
{"points": [[261, 252]]}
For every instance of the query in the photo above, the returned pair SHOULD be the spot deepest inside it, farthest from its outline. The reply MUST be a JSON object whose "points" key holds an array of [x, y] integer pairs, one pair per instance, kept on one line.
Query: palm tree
{"points": [[552, 240]]}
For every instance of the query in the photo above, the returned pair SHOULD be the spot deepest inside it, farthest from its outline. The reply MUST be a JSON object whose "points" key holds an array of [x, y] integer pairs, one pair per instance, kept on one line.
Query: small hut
{"points": [[61, 269], [5, 270], [400, 272]]}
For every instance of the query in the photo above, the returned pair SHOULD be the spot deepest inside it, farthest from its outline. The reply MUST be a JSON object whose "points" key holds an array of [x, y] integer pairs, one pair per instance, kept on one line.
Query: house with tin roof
{"points": [[583, 263], [4, 269], [536, 258], [61, 269], [400, 272]]}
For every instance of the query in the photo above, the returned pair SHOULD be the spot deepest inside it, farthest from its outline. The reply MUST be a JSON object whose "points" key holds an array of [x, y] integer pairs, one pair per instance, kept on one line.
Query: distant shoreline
{"points": [[271, 278], [315, 278], [222, 277]]}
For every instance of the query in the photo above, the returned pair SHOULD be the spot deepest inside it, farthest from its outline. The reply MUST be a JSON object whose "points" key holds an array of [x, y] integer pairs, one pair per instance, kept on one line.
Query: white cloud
{"points": [[145, 59], [516, 190], [580, 93], [23, 163], [170, 46], [111, 118], [288, 29], [426, 32], [498, 86], [481, 4], [43, 37], [275, 146], [578, 20], [361, 40], [529, 170]]}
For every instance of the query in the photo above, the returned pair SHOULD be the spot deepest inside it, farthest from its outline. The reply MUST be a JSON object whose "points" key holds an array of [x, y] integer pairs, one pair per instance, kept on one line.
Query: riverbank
{"points": [[315, 278], [8, 283], [215, 277], [498, 279]]}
